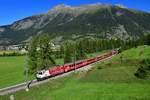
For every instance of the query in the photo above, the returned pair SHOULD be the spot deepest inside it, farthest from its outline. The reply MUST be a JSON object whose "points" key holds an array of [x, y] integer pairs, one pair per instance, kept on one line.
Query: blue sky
{"points": [[13, 10]]}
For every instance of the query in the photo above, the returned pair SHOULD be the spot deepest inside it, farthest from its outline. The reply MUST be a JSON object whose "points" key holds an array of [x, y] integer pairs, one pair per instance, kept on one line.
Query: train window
{"points": [[40, 73], [70, 65], [79, 63]]}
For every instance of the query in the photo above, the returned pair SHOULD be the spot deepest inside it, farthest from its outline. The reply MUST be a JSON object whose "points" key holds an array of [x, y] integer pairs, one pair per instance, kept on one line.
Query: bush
{"points": [[144, 69], [99, 67], [141, 73]]}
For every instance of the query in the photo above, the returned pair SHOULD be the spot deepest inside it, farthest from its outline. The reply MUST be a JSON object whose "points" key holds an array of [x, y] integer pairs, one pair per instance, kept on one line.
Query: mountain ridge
{"points": [[66, 22]]}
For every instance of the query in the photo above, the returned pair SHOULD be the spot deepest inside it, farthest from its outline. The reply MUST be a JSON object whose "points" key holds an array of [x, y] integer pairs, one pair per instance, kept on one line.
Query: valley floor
{"points": [[111, 80]]}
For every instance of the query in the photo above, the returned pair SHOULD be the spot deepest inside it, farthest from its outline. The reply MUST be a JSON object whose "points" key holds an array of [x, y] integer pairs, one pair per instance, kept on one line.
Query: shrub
{"points": [[144, 69]]}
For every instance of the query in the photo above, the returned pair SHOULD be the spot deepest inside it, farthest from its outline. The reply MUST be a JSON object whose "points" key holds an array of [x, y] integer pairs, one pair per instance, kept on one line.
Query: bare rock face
{"points": [[121, 32], [5, 41], [2, 29], [23, 25], [119, 13], [41, 22]]}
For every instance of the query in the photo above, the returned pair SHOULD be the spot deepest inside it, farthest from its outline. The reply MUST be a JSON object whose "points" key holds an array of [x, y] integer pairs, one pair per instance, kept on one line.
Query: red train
{"points": [[44, 74]]}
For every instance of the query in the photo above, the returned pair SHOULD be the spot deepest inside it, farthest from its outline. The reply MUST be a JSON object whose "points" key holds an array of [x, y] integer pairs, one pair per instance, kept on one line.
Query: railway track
{"points": [[22, 86]]}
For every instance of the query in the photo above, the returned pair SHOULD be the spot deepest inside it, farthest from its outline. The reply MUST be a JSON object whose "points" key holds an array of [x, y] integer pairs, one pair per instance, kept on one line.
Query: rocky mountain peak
{"points": [[95, 5], [60, 9], [62, 6]]}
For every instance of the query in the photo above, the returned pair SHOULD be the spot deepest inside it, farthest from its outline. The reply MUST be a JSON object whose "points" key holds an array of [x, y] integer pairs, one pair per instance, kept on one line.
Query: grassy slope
{"points": [[114, 81], [70, 89], [12, 69]]}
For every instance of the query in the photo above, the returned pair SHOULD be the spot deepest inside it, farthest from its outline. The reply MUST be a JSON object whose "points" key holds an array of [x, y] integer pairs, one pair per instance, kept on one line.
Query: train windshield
{"points": [[40, 73]]}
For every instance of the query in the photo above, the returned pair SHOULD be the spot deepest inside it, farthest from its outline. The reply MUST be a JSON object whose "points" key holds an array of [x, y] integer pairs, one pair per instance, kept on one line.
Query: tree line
{"points": [[41, 55], [78, 49]]}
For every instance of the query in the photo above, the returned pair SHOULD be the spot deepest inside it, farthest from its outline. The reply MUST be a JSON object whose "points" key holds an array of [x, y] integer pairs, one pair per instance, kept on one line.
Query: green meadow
{"points": [[12, 70], [110, 80]]}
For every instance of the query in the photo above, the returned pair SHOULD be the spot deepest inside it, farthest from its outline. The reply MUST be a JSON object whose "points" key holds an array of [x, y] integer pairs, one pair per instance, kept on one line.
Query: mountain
{"points": [[65, 22]]}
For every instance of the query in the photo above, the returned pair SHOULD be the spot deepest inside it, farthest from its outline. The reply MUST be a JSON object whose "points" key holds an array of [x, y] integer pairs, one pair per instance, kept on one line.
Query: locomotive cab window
{"points": [[40, 73]]}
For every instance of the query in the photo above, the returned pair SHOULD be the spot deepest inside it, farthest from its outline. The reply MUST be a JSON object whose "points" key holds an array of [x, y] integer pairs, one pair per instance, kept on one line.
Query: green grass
{"points": [[59, 61], [11, 70], [71, 88], [134, 53], [110, 80]]}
